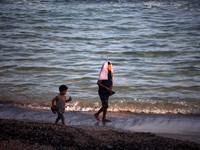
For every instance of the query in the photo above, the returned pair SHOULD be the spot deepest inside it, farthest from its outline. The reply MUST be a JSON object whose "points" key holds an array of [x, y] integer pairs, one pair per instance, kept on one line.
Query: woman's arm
{"points": [[111, 85], [100, 84]]}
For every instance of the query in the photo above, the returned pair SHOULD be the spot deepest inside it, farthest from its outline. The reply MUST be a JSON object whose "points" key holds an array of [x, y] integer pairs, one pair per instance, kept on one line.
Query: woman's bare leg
{"points": [[96, 115], [104, 116]]}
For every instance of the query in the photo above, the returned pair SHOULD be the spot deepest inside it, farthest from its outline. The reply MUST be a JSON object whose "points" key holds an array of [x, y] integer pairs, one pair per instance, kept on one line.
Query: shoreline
{"points": [[30, 106], [72, 107], [41, 135], [182, 127]]}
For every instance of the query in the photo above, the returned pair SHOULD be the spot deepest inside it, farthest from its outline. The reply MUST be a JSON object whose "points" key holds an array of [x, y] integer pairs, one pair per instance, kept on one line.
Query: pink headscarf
{"points": [[104, 71]]}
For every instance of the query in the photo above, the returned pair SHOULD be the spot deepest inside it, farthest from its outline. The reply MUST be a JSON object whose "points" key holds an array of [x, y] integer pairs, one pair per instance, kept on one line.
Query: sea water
{"points": [[154, 46]]}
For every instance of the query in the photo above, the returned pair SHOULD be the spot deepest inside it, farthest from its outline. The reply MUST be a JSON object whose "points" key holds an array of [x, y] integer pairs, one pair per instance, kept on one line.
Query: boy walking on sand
{"points": [[60, 103]]}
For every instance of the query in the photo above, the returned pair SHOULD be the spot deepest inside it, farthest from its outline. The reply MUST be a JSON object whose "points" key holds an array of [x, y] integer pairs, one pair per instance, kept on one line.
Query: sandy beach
{"points": [[38, 135], [23, 128]]}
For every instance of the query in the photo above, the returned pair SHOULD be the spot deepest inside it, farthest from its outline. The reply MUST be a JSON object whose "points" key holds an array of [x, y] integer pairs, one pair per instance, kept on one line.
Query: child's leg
{"points": [[63, 122], [62, 118], [57, 120]]}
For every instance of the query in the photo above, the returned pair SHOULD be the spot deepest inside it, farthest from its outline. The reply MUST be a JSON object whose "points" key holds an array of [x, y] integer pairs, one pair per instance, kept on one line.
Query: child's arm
{"points": [[55, 99], [70, 99]]}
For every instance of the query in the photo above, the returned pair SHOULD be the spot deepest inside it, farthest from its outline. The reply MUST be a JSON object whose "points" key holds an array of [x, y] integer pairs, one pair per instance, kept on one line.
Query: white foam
{"points": [[137, 106]]}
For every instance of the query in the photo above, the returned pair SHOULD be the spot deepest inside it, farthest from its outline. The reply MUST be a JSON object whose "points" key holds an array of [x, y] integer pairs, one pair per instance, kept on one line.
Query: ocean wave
{"points": [[141, 106], [144, 39]]}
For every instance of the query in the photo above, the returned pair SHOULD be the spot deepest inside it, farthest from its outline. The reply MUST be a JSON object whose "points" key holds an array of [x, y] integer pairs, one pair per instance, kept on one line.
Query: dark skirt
{"points": [[104, 99]]}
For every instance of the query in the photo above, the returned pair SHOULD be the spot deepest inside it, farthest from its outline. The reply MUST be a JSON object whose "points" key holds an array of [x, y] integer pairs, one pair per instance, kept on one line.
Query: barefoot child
{"points": [[105, 89], [60, 103]]}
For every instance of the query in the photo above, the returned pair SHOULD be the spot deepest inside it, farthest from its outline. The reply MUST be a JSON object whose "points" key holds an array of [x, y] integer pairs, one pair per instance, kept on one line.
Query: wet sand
{"points": [[31, 129]]}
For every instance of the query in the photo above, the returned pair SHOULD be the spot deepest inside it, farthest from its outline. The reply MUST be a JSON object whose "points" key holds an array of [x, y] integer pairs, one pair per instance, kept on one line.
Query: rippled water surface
{"points": [[154, 47]]}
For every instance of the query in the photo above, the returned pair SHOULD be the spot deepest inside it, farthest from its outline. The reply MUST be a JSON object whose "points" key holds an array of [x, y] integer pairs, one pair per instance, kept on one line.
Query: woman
{"points": [[105, 89]]}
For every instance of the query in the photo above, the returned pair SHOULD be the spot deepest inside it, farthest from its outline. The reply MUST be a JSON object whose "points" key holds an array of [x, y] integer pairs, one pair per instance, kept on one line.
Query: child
{"points": [[60, 103], [105, 89]]}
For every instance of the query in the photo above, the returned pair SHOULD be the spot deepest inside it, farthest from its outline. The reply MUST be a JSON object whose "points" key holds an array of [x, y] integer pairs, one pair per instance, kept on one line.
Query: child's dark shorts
{"points": [[104, 99], [61, 116]]}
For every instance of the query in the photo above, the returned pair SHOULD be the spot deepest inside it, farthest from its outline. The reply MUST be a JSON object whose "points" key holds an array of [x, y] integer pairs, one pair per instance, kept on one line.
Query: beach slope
{"points": [[39, 135]]}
